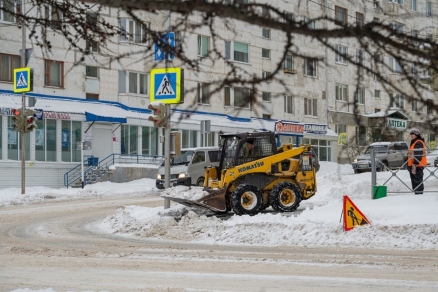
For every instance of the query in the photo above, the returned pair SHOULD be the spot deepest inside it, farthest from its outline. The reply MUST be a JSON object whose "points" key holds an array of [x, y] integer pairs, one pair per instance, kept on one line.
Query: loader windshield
{"points": [[228, 152]]}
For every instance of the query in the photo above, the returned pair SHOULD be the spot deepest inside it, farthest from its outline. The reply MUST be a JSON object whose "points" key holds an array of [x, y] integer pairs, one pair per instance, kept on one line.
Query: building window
{"points": [[240, 51], [429, 37], [53, 16], [395, 65], [189, 139], [339, 128], [341, 54], [203, 45], [266, 75], [376, 93], [227, 96], [70, 135], [360, 96], [7, 65], [45, 140], [310, 67], [288, 63], [266, 33], [137, 82], [92, 46], [242, 97], [288, 16], [149, 140], [342, 92], [310, 107], [414, 105], [288, 104], [92, 72], [414, 34], [360, 19], [92, 96], [203, 91], [266, 53], [414, 5], [376, 4], [398, 101], [9, 5], [341, 15], [398, 27], [266, 96], [132, 31], [359, 57], [310, 23], [415, 71], [430, 107], [266, 116], [129, 141], [428, 8], [53, 73], [15, 143], [396, 1], [361, 136], [265, 12]]}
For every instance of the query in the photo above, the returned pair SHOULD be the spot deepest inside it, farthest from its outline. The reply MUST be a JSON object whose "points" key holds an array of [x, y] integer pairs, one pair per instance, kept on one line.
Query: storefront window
{"points": [[70, 137], [45, 140], [15, 143], [129, 139], [149, 141], [321, 148], [189, 139], [1, 137]]}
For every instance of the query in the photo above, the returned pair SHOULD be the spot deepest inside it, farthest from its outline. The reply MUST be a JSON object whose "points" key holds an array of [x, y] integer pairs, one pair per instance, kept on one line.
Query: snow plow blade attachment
{"points": [[215, 201]]}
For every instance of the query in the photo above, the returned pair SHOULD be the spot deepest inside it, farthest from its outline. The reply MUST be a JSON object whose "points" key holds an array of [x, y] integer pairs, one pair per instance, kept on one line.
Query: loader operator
{"points": [[247, 148]]}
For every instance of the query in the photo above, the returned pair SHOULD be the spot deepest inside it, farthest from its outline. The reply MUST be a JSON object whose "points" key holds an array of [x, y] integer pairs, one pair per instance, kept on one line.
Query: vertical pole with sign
{"points": [[23, 108]]}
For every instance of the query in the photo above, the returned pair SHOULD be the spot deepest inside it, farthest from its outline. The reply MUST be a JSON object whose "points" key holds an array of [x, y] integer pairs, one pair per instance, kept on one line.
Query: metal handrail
{"points": [[93, 172]]}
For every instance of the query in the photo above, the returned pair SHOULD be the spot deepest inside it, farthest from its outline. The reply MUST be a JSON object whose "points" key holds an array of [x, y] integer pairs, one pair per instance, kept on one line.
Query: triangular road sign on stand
{"points": [[352, 215]]}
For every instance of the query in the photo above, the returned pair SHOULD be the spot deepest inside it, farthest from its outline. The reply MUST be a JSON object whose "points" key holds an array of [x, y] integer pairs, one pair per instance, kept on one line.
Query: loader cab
{"points": [[237, 149]]}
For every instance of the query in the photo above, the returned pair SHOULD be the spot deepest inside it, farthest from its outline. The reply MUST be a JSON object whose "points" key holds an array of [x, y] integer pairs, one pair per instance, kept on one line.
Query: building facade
{"points": [[106, 102]]}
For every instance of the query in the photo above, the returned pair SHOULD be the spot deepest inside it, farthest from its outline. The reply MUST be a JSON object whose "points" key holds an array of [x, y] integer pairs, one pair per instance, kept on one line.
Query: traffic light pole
{"points": [[167, 155], [23, 110]]}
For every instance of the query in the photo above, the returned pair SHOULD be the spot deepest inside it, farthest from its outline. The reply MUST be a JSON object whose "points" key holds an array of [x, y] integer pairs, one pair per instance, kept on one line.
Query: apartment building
{"points": [[106, 102]]}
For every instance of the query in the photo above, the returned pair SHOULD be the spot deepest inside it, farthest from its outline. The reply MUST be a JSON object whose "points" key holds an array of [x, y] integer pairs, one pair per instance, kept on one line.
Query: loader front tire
{"points": [[285, 197], [246, 199]]}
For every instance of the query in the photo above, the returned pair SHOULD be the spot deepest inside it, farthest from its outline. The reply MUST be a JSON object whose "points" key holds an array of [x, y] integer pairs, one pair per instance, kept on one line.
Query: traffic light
{"points": [[30, 120], [17, 120], [158, 114]]}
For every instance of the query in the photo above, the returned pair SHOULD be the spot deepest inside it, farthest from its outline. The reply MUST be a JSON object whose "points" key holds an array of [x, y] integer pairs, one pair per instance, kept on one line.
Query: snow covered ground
{"points": [[399, 221]]}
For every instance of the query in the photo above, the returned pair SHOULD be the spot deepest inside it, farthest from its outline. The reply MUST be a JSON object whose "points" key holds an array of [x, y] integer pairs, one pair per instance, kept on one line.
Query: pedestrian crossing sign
{"points": [[165, 85], [22, 79], [352, 215]]}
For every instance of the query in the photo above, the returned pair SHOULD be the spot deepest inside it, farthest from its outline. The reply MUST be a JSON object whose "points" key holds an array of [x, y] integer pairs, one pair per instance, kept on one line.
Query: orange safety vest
{"points": [[423, 161]]}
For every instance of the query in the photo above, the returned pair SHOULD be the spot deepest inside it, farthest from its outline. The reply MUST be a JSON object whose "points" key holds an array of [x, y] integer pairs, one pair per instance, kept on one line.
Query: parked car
{"points": [[432, 158], [188, 169], [390, 155]]}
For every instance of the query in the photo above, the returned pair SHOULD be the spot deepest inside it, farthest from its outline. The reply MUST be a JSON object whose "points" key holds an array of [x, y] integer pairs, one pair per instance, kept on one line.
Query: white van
{"points": [[189, 168]]}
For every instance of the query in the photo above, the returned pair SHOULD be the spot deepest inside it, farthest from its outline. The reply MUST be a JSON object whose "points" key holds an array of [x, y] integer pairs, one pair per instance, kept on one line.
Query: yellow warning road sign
{"points": [[352, 215]]}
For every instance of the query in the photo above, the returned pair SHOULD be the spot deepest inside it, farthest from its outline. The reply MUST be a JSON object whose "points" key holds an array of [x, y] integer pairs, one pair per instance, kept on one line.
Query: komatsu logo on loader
{"points": [[252, 166]]}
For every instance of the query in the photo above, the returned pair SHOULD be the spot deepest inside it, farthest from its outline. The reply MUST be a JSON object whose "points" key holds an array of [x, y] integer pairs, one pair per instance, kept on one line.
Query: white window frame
{"points": [[310, 23], [266, 96], [288, 62], [246, 91], [53, 16], [428, 8], [127, 87], [289, 104], [414, 105], [92, 72], [48, 76], [314, 67], [203, 92], [398, 101], [230, 48], [266, 53], [344, 14], [203, 45], [359, 57], [266, 33], [17, 9], [377, 93], [266, 74], [400, 2], [360, 96], [395, 65], [341, 54], [131, 35], [414, 5], [341, 92], [310, 107], [398, 26]]}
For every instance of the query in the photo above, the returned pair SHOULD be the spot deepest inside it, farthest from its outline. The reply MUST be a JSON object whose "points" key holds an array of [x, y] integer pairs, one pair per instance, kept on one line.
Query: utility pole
{"points": [[167, 130], [23, 110]]}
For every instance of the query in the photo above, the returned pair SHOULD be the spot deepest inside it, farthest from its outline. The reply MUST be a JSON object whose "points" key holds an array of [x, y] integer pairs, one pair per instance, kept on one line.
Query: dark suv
{"points": [[388, 155]]}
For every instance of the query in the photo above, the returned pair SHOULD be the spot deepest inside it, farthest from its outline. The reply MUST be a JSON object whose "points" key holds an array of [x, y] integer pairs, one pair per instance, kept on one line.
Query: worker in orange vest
{"points": [[417, 161]]}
